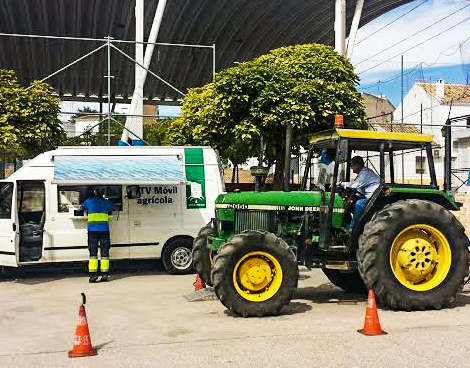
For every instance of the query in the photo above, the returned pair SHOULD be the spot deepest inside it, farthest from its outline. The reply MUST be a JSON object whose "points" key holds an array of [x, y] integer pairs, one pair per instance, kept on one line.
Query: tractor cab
{"points": [[380, 150]]}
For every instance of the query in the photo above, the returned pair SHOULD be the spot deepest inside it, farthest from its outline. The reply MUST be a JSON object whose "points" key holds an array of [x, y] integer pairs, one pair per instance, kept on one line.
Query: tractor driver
{"points": [[367, 181]]}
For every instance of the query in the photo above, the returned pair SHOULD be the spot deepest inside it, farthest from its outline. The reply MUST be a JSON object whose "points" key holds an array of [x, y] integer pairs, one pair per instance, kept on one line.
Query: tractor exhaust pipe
{"points": [[447, 156], [285, 186]]}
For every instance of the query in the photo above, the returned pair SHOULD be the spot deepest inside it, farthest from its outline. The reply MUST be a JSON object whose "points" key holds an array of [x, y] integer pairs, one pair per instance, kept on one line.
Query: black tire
{"points": [[376, 244], [177, 257], [228, 257], [201, 254], [349, 281]]}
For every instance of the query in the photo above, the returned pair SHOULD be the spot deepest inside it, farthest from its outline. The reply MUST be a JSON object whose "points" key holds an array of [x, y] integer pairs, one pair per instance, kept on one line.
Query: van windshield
{"points": [[6, 193]]}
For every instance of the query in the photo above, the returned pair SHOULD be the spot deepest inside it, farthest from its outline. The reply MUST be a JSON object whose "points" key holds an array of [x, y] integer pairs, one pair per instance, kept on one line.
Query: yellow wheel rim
{"points": [[420, 257], [257, 276]]}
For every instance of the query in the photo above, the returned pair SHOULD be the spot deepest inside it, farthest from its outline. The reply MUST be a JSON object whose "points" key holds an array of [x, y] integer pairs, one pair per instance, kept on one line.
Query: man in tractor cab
{"points": [[367, 181]]}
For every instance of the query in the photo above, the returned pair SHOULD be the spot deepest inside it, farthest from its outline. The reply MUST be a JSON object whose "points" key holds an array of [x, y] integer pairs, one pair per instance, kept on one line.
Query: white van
{"points": [[162, 195]]}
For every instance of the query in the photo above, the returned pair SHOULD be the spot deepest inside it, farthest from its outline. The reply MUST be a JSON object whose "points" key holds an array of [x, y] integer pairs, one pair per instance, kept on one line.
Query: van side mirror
{"points": [[133, 191]]}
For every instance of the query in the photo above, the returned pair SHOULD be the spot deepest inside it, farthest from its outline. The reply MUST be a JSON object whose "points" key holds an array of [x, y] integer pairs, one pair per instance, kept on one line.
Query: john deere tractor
{"points": [[406, 244]]}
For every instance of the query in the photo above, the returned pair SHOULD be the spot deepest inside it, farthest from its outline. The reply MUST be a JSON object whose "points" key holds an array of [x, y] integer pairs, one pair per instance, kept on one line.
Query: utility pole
{"points": [[402, 120]]}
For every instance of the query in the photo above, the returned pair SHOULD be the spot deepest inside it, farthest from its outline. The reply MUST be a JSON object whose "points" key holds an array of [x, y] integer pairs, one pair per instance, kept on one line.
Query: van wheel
{"points": [[177, 257]]}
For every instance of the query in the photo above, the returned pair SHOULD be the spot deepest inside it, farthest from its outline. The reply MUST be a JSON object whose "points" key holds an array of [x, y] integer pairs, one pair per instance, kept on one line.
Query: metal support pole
{"points": [[432, 169], [213, 62], [109, 90], [402, 120], [142, 64], [340, 26], [382, 163], [354, 28], [421, 153], [308, 164], [392, 167], [287, 157]]}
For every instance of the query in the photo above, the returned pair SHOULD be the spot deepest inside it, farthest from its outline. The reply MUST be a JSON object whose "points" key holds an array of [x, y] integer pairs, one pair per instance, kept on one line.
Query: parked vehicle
{"points": [[162, 196], [406, 245]]}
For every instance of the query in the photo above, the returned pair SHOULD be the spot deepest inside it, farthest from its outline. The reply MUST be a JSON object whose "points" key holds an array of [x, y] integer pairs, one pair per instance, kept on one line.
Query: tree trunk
{"points": [[233, 173]]}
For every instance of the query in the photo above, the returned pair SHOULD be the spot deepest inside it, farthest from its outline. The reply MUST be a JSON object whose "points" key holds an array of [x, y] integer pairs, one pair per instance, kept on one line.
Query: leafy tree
{"points": [[155, 133], [29, 121], [303, 85]]}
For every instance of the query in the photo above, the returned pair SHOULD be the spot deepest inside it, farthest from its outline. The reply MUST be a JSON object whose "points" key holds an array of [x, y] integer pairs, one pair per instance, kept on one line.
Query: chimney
{"points": [[440, 88]]}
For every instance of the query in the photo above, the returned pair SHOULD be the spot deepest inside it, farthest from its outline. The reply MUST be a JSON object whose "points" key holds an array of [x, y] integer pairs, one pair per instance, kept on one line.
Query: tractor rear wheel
{"points": [[414, 254], [349, 281], [202, 256], [255, 274]]}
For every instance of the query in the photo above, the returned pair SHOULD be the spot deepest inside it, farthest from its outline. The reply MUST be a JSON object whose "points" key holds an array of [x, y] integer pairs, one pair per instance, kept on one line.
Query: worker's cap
{"points": [[357, 160]]}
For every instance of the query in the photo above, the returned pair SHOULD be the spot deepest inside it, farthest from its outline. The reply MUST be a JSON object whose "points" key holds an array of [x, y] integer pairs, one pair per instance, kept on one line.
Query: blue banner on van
{"points": [[118, 169]]}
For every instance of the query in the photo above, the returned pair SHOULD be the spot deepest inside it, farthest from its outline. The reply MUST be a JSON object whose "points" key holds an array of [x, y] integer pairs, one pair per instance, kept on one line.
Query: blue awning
{"points": [[118, 170]]}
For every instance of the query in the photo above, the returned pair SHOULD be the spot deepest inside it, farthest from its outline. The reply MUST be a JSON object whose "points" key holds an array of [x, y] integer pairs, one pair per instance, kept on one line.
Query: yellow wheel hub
{"points": [[257, 276], [420, 257]]}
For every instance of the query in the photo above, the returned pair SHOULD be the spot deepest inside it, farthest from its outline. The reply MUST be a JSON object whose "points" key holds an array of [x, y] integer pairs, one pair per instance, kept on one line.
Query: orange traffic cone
{"points": [[371, 322], [198, 284], [82, 344]]}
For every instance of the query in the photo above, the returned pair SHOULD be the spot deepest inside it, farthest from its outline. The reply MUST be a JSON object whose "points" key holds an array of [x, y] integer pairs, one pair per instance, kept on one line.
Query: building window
{"points": [[420, 165]]}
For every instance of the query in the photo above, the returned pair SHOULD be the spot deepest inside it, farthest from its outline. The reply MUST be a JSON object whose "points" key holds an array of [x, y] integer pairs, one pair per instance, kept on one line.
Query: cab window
{"points": [[6, 194]]}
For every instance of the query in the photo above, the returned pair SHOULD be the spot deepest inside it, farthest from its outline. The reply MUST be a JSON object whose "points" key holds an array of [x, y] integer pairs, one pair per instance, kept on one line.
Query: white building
{"points": [[427, 107]]}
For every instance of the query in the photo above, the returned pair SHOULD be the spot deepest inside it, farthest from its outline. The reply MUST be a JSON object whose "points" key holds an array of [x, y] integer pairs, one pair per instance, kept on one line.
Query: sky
{"points": [[432, 35]]}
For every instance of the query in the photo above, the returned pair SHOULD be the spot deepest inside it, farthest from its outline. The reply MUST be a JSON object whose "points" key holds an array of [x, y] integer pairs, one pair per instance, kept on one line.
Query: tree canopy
{"points": [[303, 85], [29, 121]]}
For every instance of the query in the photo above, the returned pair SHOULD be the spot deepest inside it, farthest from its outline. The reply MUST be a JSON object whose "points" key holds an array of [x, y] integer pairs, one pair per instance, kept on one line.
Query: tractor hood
{"points": [[276, 200]]}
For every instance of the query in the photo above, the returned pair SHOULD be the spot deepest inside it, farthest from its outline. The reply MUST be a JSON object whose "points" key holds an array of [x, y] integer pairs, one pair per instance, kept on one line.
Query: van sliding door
{"points": [[31, 215]]}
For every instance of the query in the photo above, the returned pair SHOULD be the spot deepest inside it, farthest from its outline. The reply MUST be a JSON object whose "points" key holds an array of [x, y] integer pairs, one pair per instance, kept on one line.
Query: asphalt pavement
{"points": [[141, 319]]}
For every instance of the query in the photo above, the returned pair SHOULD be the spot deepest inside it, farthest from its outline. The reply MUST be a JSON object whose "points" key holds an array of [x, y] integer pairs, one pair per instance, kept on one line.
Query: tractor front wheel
{"points": [[255, 274], [414, 254]]}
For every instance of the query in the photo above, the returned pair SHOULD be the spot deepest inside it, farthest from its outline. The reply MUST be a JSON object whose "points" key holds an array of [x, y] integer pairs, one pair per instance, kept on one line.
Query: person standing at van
{"points": [[98, 208]]}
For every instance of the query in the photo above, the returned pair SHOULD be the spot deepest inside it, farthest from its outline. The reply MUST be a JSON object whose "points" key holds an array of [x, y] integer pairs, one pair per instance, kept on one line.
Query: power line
{"points": [[419, 65], [414, 34], [408, 71], [393, 21], [412, 47]]}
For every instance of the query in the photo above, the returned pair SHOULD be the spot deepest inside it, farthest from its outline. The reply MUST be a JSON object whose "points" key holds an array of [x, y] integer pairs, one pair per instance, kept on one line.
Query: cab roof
{"points": [[369, 139]]}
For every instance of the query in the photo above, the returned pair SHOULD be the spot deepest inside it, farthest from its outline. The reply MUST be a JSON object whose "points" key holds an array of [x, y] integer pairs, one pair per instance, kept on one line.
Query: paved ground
{"points": [[141, 319]]}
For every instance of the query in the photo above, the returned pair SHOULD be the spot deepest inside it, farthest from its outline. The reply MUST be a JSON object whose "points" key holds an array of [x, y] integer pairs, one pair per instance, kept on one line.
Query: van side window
{"points": [[114, 194], [73, 196], [31, 202], [68, 197]]}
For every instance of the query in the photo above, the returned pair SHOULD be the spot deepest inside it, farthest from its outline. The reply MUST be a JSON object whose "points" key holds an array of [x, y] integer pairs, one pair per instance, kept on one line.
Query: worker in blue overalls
{"points": [[98, 208]]}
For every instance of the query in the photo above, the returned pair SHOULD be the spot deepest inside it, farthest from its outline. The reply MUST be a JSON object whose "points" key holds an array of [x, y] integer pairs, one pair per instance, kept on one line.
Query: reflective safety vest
{"points": [[98, 208]]}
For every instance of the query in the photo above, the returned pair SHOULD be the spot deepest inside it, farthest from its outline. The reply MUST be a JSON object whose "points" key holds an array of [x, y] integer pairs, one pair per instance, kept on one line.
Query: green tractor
{"points": [[406, 244]]}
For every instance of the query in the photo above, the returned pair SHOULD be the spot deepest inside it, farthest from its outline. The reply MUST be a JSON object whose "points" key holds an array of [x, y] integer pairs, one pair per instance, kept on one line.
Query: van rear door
{"points": [[9, 230]]}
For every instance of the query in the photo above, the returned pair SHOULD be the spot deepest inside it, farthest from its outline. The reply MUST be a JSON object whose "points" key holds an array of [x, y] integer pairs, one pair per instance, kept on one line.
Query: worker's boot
{"points": [[104, 277], [93, 279]]}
